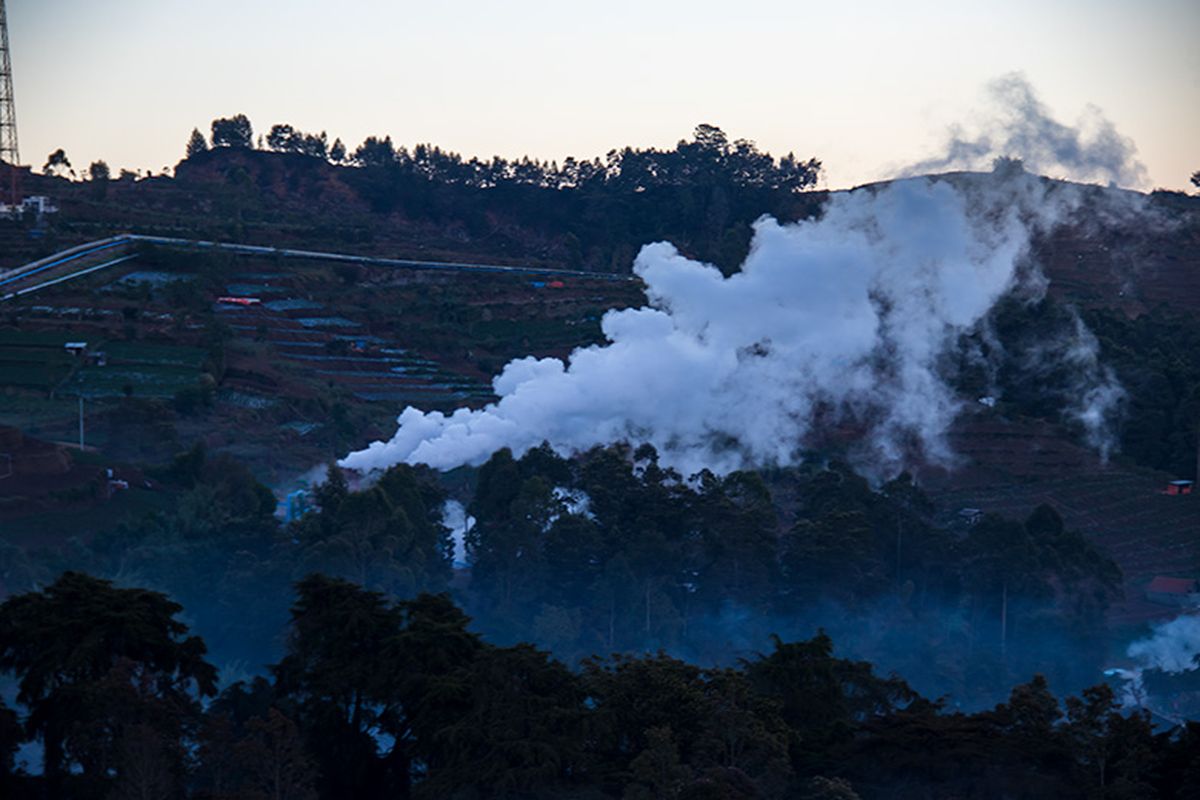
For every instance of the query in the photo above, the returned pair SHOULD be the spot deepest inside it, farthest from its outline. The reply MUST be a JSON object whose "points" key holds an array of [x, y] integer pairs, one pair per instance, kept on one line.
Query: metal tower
{"points": [[8, 110]]}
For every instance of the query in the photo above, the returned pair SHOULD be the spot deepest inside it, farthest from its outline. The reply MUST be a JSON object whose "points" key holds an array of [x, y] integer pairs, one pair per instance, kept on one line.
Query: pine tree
{"points": [[196, 143]]}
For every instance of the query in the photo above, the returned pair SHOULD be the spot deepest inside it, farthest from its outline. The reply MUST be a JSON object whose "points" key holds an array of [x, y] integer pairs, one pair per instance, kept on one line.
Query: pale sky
{"points": [[866, 87]]}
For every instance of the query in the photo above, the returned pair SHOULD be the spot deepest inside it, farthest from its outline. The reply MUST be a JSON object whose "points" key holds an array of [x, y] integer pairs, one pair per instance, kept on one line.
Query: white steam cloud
{"points": [[1173, 647], [837, 323], [1018, 125]]}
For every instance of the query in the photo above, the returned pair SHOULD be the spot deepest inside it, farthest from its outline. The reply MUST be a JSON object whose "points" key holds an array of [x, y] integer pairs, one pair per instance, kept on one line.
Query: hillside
{"points": [[332, 353]]}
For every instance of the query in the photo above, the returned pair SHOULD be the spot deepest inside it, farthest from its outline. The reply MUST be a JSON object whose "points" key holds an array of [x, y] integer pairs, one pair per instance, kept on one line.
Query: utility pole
{"points": [[81, 423], [8, 111]]}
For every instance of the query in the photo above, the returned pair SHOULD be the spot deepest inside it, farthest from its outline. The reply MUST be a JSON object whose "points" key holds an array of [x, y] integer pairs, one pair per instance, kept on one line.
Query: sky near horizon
{"points": [[865, 87]]}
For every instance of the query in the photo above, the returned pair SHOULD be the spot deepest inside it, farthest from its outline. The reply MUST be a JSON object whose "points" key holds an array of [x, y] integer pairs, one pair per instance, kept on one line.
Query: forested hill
{"points": [[582, 214], [591, 214]]}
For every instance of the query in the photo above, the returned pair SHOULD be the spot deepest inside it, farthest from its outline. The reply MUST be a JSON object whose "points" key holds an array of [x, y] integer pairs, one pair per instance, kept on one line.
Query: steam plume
{"points": [[1173, 647], [835, 322], [1020, 126], [456, 518]]}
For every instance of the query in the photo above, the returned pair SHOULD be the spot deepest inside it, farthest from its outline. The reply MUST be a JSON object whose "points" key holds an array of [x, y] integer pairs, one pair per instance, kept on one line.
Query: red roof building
{"points": [[1173, 591]]}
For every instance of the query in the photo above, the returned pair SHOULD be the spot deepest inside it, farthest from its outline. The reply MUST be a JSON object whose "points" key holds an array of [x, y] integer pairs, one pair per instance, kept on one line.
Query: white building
{"points": [[37, 204]]}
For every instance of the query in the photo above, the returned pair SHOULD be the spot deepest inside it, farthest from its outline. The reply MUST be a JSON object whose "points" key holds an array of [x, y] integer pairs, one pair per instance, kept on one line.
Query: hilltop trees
{"points": [[337, 152], [57, 163], [375, 152], [99, 171], [196, 144], [233, 131], [704, 193], [99, 175], [286, 139]]}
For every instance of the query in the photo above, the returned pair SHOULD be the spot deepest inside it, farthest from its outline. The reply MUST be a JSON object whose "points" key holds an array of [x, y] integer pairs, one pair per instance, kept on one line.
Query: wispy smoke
{"points": [[455, 517], [1094, 397], [1019, 126], [834, 324], [1173, 647]]}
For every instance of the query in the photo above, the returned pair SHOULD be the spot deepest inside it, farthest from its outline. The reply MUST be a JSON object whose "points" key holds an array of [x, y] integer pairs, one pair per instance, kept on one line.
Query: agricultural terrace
{"points": [[313, 359]]}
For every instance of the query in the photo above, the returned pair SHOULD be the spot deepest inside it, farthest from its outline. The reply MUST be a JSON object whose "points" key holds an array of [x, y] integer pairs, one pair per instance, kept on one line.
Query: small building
{"points": [[1182, 592], [39, 204], [35, 204], [1180, 487], [76, 348]]}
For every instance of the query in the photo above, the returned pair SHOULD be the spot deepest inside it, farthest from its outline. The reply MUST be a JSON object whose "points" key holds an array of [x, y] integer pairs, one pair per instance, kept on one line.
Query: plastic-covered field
{"points": [[292, 304], [328, 322], [155, 354], [251, 289], [155, 280]]}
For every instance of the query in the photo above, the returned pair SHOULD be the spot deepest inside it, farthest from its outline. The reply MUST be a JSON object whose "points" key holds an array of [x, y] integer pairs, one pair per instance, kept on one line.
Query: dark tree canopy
{"points": [[99, 171], [57, 163], [93, 662], [233, 131], [196, 144]]}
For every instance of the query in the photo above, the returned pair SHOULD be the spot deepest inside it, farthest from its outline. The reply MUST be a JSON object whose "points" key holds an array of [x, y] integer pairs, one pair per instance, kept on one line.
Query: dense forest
{"points": [[610, 552], [375, 698]]}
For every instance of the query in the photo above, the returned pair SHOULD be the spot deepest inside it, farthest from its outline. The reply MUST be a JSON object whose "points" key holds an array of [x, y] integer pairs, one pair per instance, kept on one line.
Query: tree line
{"points": [[376, 697], [611, 552], [583, 213], [710, 155]]}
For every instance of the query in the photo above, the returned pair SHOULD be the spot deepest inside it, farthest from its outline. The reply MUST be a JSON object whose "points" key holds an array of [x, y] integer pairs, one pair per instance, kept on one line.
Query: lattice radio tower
{"points": [[8, 110]]}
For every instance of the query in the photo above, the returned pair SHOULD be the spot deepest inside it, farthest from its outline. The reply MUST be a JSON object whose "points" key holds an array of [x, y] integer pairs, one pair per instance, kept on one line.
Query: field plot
{"points": [[548, 333], [152, 279], [134, 380], [35, 360], [49, 339], [332, 349], [34, 368], [366, 342], [155, 354]]}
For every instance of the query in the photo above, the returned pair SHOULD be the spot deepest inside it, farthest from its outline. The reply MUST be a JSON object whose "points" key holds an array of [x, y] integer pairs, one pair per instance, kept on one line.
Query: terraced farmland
{"points": [[37, 361], [369, 367]]}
